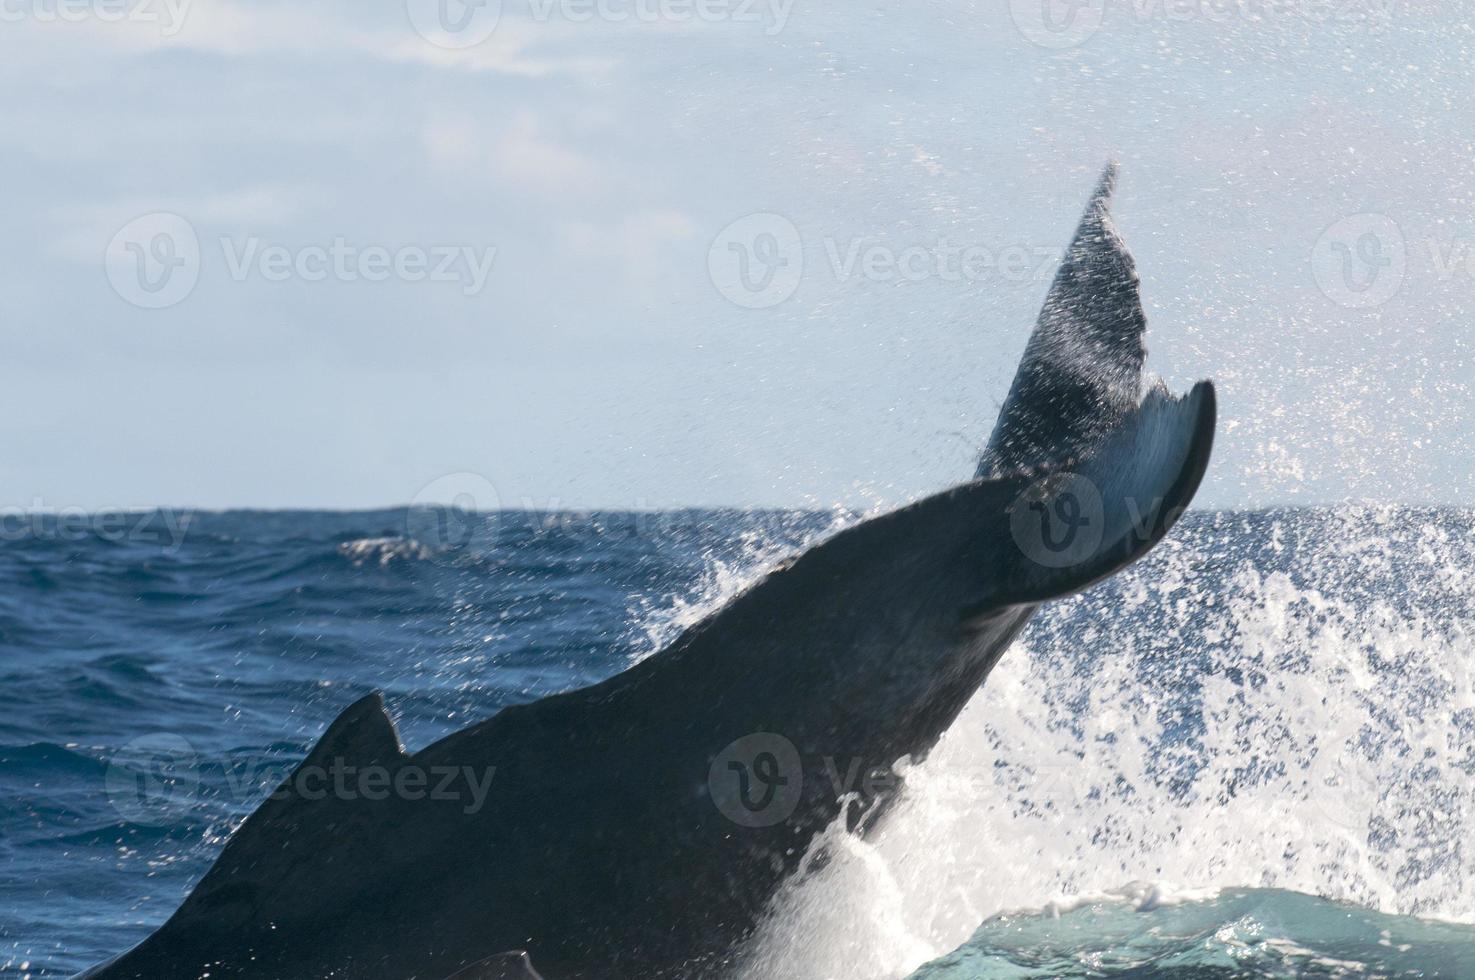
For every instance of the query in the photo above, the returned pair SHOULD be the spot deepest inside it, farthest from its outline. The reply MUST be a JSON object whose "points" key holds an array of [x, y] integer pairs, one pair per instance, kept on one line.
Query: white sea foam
{"points": [[1301, 719], [383, 550]]}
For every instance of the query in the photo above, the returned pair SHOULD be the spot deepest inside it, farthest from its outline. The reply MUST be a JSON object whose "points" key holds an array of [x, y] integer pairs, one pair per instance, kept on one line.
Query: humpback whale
{"points": [[638, 828]]}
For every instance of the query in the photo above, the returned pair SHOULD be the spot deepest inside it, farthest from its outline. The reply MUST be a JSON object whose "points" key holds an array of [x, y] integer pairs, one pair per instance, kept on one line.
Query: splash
{"points": [[1278, 700], [383, 550], [723, 575]]}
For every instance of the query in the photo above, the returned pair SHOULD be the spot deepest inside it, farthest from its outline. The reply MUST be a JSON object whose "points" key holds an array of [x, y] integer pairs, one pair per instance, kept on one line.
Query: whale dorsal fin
{"points": [[1081, 373], [362, 735], [261, 868]]}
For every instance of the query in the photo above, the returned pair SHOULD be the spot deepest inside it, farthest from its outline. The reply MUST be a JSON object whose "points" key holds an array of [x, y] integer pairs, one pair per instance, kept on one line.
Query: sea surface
{"points": [[1252, 755]]}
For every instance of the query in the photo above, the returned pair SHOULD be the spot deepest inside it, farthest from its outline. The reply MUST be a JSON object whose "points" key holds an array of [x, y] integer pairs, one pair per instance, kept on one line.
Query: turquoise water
{"points": [[1240, 933]]}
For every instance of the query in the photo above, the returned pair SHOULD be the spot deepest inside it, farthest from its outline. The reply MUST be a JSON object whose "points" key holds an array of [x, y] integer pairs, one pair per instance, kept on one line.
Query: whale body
{"points": [[638, 828]]}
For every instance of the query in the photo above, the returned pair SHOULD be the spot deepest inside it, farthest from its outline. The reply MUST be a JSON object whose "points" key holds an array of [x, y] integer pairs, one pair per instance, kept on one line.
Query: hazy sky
{"points": [[678, 252]]}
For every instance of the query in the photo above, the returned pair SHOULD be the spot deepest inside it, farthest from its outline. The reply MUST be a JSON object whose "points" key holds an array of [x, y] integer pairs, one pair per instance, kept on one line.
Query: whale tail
{"points": [[1081, 374], [1076, 525], [1120, 465], [871, 642]]}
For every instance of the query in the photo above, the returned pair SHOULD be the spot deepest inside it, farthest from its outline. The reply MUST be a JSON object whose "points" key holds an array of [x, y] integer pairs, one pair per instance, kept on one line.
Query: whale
{"points": [[641, 826]]}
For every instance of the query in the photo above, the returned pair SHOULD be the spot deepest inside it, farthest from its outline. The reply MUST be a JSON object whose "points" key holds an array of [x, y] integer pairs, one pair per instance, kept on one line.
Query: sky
{"points": [[662, 253]]}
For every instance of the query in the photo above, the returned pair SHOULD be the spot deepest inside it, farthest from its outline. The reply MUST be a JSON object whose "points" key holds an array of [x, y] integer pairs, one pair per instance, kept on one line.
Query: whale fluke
{"points": [[1082, 370], [1136, 484]]}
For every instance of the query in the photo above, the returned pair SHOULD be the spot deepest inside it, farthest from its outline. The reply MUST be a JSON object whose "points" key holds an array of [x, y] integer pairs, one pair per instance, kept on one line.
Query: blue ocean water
{"points": [[1274, 706]]}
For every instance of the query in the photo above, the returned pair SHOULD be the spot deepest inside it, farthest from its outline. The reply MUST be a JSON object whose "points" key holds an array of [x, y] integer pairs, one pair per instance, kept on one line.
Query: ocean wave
{"points": [[382, 551], [1275, 700], [1242, 934]]}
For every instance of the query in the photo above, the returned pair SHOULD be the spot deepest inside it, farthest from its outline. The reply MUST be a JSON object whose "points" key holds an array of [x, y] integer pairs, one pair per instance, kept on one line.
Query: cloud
{"points": [[85, 230], [518, 46], [639, 242], [515, 154]]}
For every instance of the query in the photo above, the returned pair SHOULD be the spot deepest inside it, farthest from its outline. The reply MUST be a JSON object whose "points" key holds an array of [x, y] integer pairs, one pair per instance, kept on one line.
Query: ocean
{"points": [[1250, 755]]}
